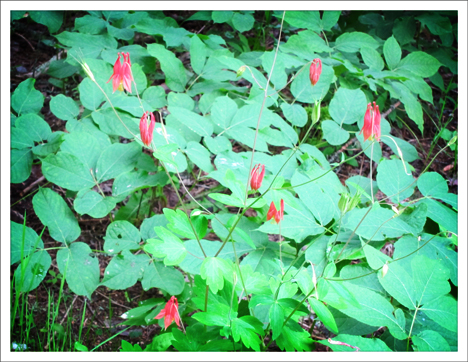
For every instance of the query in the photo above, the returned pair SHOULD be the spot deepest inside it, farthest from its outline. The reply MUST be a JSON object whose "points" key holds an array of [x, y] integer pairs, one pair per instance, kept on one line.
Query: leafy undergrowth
{"points": [[234, 181]]}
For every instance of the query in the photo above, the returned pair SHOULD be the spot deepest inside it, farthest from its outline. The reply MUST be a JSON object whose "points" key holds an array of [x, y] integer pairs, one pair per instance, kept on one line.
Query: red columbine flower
{"points": [[277, 215], [146, 130], [122, 75], [170, 313], [371, 126], [315, 71], [256, 176]]}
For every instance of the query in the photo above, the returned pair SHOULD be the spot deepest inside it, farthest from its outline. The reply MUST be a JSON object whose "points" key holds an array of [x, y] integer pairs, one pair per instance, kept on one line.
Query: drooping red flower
{"points": [[371, 127], [146, 130], [315, 71], [170, 313], [274, 214], [122, 75], [256, 176], [127, 73]]}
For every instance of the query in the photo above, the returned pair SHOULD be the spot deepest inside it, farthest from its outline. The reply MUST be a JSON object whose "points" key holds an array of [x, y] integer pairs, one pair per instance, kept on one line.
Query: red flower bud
{"points": [[146, 130], [371, 127], [256, 176], [170, 313], [277, 215], [315, 71]]}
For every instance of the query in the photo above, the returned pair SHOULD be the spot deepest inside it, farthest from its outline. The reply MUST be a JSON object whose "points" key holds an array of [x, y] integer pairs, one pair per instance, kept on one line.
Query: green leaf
{"points": [[214, 270], [276, 315], [294, 340], [304, 19], [441, 214], [80, 268], [90, 24], [325, 316], [430, 277], [374, 310], [29, 128], [305, 44], [419, 86], [379, 221], [409, 152], [348, 325], [392, 52], [437, 25], [155, 96], [419, 63], [117, 159], [242, 329], [124, 34], [160, 343], [353, 42], [52, 145], [165, 154], [171, 66], [131, 105], [295, 227], [171, 248], [412, 106], [198, 53], [432, 184], [79, 347], [121, 235], [448, 256], [87, 46], [393, 181], [148, 224], [194, 121], [26, 99], [243, 22], [64, 108], [223, 111], [124, 270], [221, 16], [348, 106], [195, 257], [34, 272], [67, 171], [91, 96], [61, 69], [83, 146], [363, 185], [219, 317], [364, 277], [158, 275], [295, 114], [51, 19], [20, 165], [430, 341], [179, 223], [372, 58], [364, 344], [54, 213], [329, 19], [94, 204], [443, 311], [16, 15], [135, 180], [333, 133], [318, 202], [16, 242], [199, 155]]}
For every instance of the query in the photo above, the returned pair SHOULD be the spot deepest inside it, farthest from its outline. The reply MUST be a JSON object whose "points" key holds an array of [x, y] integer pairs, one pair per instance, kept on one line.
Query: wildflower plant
{"points": [[275, 238]]}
